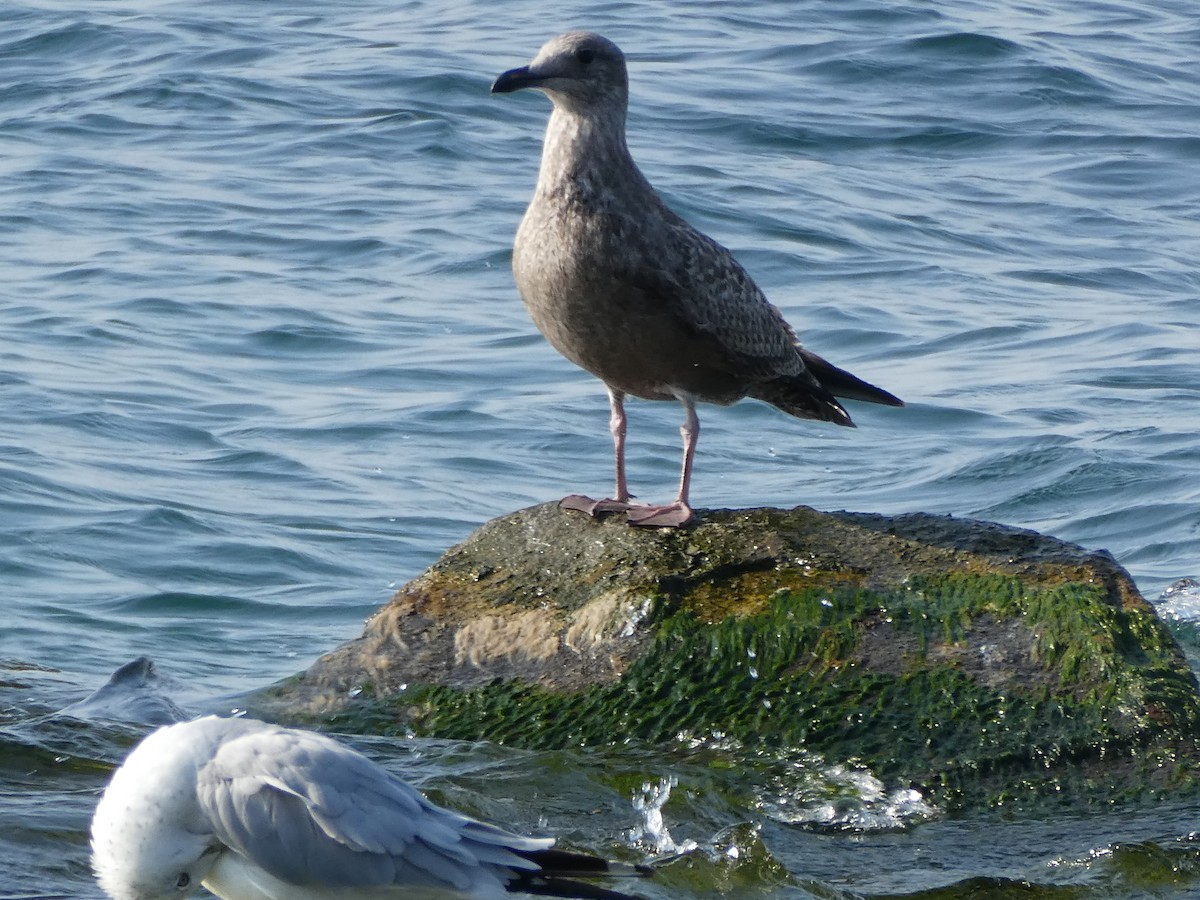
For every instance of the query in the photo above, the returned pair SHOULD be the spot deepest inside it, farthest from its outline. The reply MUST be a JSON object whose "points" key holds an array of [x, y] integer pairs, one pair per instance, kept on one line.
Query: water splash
{"points": [[653, 830], [843, 797], [799, 787], [1180, 602]]}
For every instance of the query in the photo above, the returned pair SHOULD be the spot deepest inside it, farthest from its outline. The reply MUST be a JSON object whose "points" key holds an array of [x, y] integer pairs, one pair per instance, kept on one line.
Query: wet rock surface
{"points": [[967, 658]]}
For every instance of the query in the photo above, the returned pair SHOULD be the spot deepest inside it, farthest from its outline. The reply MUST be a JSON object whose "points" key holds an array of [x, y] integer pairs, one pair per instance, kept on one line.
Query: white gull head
{"points": [[150, 838]]}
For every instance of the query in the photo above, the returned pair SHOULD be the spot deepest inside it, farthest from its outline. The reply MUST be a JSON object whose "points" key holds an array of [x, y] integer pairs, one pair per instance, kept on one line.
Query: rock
{"points": [[971, 660]]}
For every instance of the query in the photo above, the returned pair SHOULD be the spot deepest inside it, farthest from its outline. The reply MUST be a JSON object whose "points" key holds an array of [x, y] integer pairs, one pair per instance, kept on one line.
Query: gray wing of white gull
{"points": [[311, 811]]}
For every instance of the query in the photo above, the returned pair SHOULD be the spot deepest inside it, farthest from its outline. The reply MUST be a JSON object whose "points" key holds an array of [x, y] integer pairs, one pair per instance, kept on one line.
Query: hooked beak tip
{"points": [[513, 80]]}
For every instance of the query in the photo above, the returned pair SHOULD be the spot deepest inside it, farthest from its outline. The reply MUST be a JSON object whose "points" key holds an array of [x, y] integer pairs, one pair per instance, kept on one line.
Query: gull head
{"points": [[578, 71], [150, 840]]}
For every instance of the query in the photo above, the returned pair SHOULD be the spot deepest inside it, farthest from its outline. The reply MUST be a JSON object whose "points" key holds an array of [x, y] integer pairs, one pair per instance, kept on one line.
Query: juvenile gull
{"points": [[259, 812], [626, 289]]}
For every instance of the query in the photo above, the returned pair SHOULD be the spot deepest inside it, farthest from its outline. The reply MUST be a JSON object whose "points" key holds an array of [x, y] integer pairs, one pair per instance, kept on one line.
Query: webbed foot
{"points": [[673, 515], [593, 507]]}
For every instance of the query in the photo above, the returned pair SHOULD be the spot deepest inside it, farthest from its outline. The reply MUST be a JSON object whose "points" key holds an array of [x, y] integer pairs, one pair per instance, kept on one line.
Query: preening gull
{"points": [[259, 812], [623, 287]]}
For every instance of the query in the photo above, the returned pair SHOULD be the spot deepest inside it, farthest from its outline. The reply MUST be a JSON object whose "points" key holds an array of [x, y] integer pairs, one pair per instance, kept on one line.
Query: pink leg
{"points": [[677, 513], [616, 425], [690, 432], [619, 503]]}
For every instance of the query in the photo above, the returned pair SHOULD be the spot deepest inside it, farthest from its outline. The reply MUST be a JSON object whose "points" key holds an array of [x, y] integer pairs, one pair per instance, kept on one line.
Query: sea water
{"points": [[262, 361]]}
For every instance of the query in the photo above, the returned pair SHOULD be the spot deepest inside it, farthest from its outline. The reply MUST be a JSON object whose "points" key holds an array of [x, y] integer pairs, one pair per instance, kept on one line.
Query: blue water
{"points": [[262, 360]]}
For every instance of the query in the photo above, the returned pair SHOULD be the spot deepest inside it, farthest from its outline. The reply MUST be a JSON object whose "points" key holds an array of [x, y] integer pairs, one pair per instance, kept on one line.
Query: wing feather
{"points": [[312, 811], [701, 283]]}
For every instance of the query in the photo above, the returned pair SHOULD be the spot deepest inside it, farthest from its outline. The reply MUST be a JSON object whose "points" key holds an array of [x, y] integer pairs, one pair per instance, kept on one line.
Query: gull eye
{"points": [[585, 55], [183, 880]]}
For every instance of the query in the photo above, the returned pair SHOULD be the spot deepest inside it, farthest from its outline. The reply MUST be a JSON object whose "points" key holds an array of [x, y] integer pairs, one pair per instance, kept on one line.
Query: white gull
{"points": [[260, 812]]}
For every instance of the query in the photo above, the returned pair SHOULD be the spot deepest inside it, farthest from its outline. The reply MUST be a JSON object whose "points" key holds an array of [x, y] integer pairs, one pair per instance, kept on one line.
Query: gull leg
{"points": [[678, 513], [617, 426]]}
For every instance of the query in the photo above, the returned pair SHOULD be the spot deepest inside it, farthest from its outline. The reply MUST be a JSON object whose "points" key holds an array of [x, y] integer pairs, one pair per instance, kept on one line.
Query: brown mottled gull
{"points": [[626, 289]]}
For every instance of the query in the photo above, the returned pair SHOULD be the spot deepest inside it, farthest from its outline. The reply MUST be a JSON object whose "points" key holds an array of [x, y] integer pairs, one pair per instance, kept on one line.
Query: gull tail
{"points": [[803, 397], [561, 868], [842, 384]]}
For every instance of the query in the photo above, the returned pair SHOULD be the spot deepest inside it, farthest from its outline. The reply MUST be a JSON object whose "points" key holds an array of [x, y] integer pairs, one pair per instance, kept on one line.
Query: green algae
{"points": [[1105, 710]]}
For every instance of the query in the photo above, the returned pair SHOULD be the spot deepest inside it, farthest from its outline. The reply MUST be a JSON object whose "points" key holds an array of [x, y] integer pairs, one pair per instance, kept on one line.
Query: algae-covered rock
{"points": [[970, 659]]}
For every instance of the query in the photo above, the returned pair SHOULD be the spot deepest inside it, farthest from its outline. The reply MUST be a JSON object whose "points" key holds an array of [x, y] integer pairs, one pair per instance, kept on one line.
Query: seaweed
{"points": [[1099, 707]]}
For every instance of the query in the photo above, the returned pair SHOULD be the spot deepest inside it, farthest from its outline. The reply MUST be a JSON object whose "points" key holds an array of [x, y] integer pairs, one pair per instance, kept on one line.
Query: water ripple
{"points": [[262, 358]]}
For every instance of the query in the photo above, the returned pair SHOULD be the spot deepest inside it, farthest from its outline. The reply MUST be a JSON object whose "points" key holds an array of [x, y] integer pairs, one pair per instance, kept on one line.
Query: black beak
{"points": [[514, 80]]}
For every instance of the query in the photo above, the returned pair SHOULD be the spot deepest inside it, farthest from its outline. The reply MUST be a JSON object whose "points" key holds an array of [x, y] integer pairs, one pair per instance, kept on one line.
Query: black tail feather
{"points": [[842, 384]]}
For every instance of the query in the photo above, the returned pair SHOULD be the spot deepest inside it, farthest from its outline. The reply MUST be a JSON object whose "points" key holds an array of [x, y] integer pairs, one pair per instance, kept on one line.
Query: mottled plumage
{"points": [[259, 812], [629, 291]]}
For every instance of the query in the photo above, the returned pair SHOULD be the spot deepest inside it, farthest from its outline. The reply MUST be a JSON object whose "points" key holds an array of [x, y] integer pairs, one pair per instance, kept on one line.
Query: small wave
{"points": [[965, 44]]}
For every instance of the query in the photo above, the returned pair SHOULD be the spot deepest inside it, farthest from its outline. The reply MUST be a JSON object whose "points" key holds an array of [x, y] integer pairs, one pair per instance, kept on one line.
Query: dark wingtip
{"points": [[561, 868], [569, 889], [559, 863]]}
